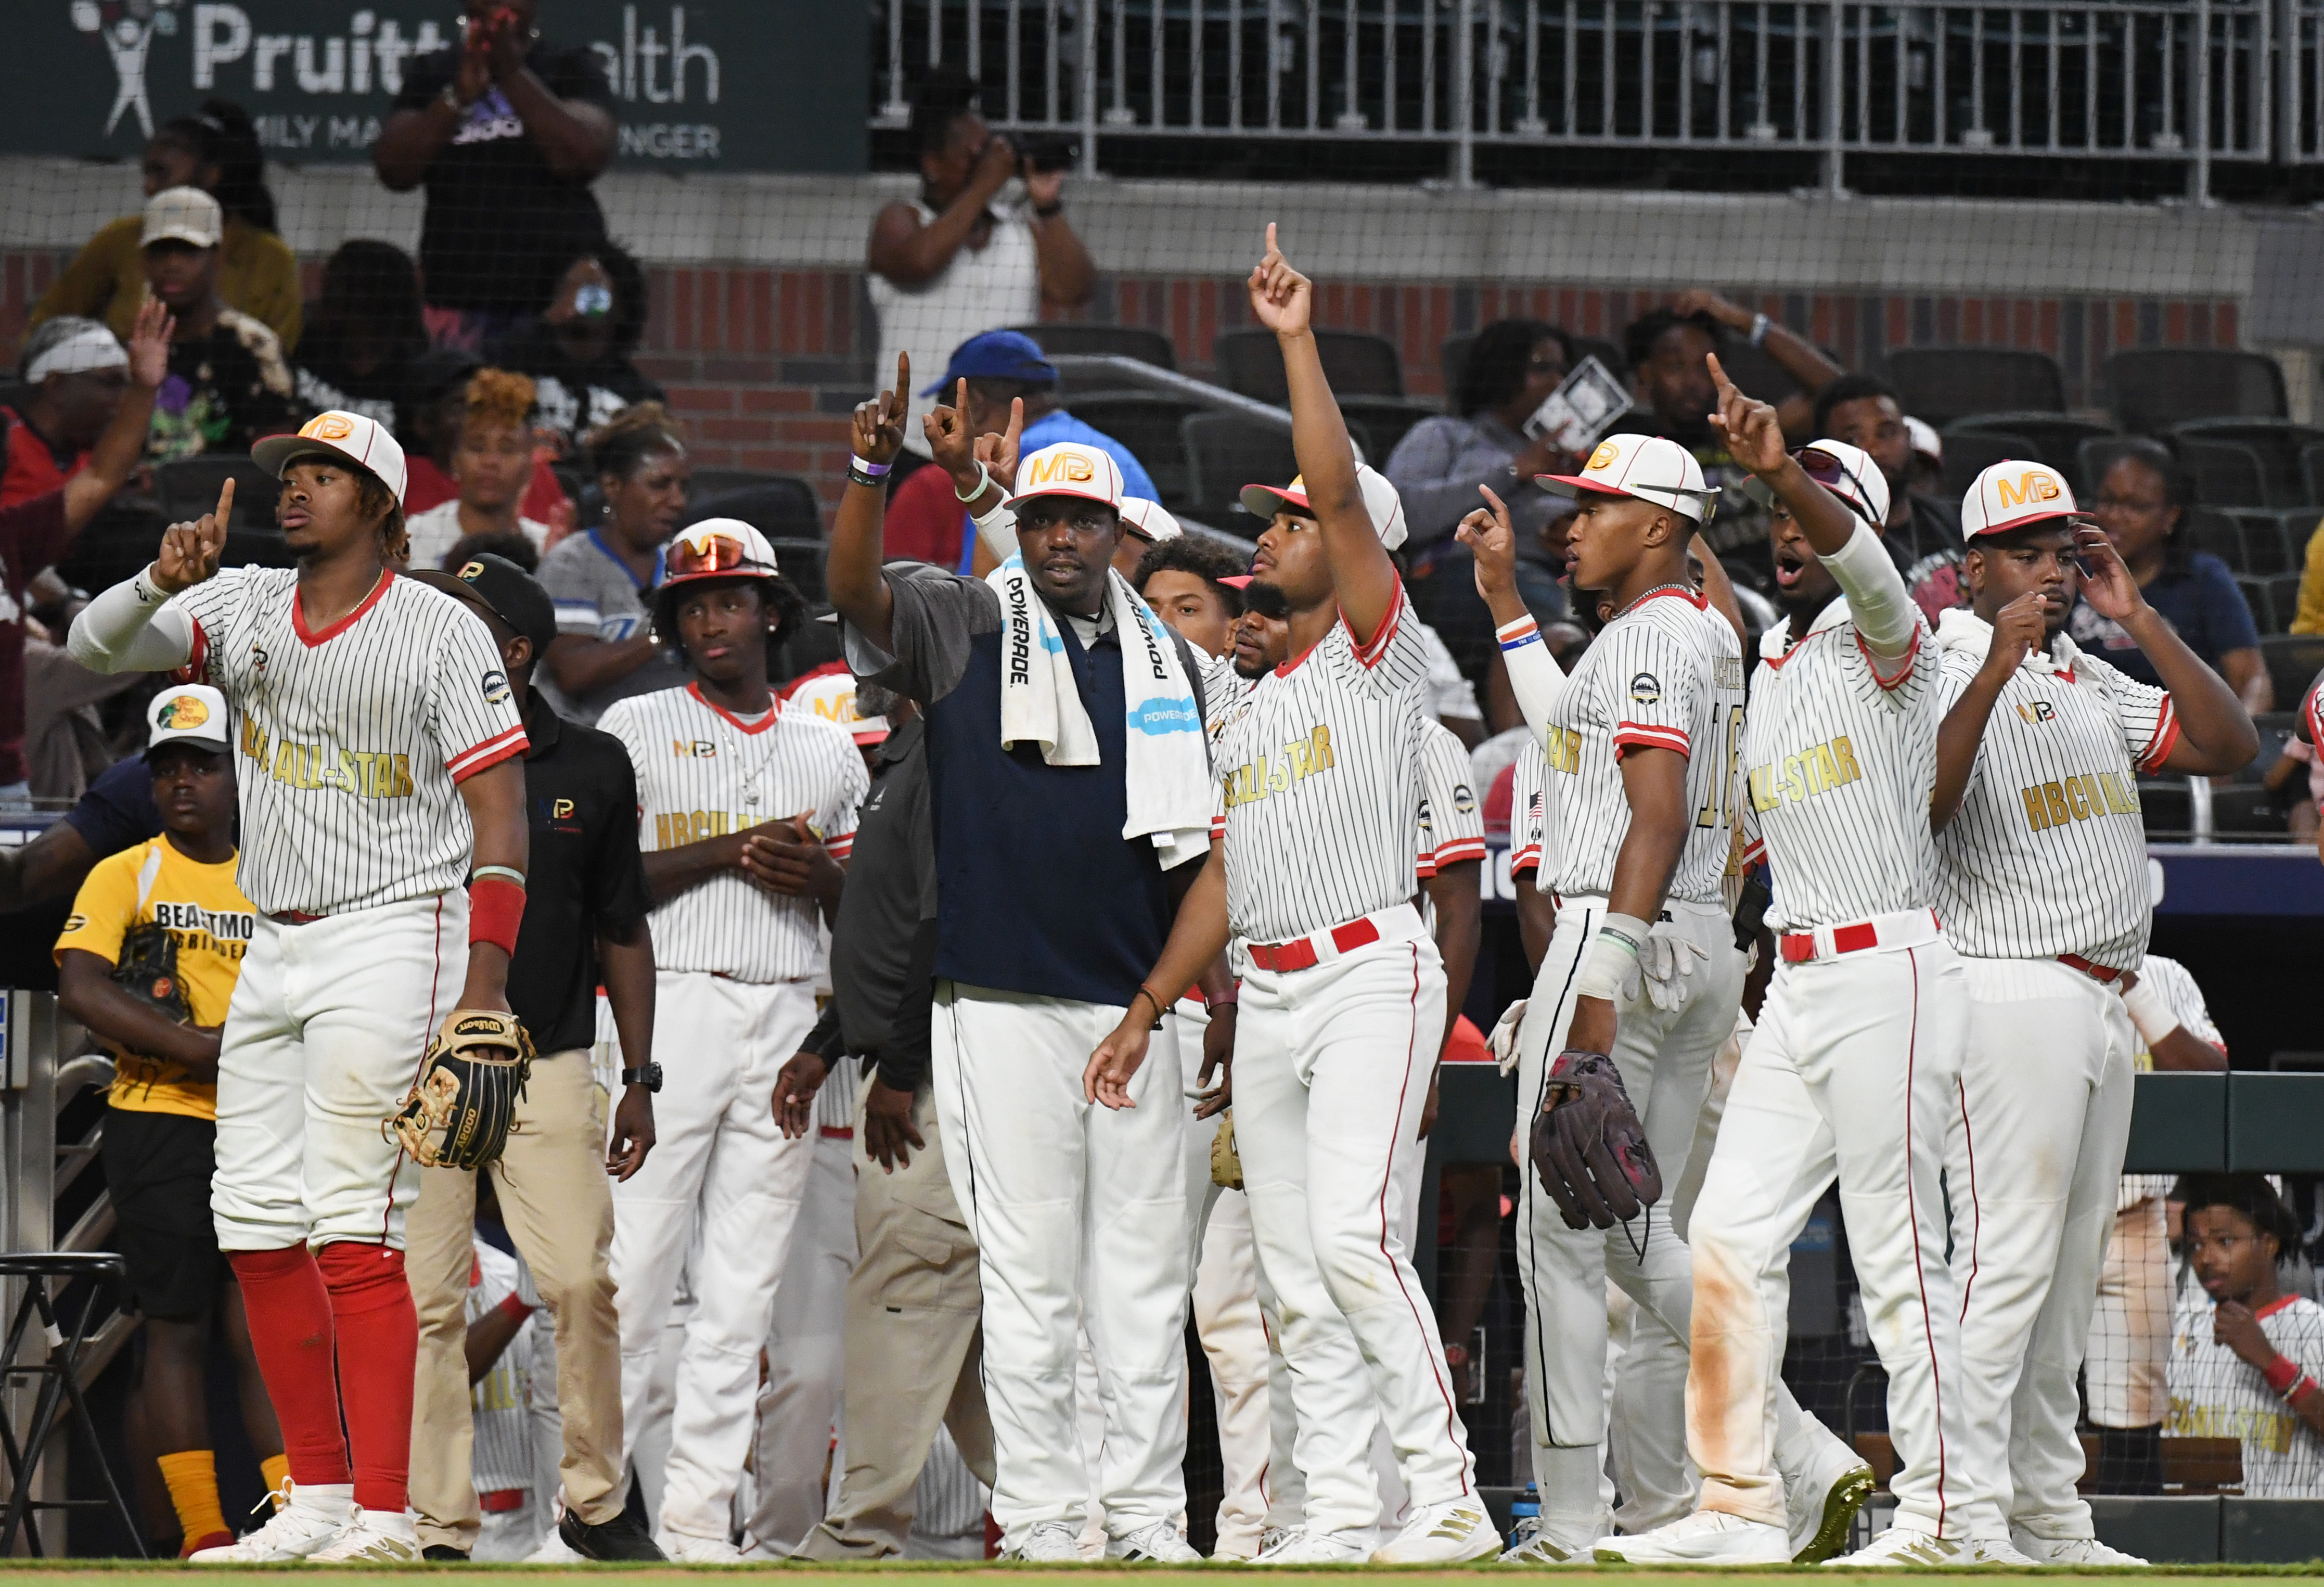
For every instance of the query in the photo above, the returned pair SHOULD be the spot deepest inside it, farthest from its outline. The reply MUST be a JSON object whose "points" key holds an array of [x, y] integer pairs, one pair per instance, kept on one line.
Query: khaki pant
{"points": [[913, 1347], [559, 1210]]}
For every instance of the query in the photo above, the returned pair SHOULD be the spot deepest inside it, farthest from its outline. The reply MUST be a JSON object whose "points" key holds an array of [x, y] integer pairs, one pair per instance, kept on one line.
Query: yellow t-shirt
{"points": [[211, 922]]}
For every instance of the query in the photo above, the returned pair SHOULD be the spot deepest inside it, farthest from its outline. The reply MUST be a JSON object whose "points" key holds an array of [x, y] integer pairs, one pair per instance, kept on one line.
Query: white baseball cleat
{"points": [[309, 1518], [1046, 1543], [1159, 1544], [1445, 1534], [1706, 1538], [2071, 1551], [1994, 1551], [373, 1537], [689, 1548], [1534, 1542], [1299, 1546], [1901, 1545], [1818, 1516]]}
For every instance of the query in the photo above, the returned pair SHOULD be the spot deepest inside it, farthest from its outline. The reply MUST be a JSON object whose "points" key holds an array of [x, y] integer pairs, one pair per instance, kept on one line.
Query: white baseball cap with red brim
{"points": [[1848, 473], [1069, 468], [832, 697], [1149, 520], [1651, 468], [1381, 502], [716, 547], [2014, 495], [351, 437]]}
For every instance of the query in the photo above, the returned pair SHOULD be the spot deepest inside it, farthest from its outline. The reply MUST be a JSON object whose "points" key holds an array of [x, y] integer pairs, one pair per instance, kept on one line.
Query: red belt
{"points": [[1797, 947], [300, 917], [1301, 954], [2099, 973], [836, 1131], [500, 1501]]}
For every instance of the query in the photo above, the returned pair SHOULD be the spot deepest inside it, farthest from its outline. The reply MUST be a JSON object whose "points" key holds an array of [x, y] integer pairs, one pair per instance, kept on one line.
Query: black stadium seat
{"points": [[1970, 452], [1941, 385], [1146, 422], [2293, 660], [1358, 362], [1068, 337], [2155, 388], [2056, 438]]}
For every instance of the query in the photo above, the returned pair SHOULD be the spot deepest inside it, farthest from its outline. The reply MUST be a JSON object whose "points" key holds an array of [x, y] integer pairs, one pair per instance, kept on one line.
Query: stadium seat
{"points": [[1146, 422], [706, 483], [2256, 597], [2218, 533], [2227, 474], [2261, 534], [1941, 385], [186, 487], [786, 510], [2284, 600], [2279, 444], [1385, 420], [1971, 452], [2245, 810], [2057, 437], [1225, 452], [2311, 470], [2155, 388], [1122, 341], [2165, 808], [1358, 363]]}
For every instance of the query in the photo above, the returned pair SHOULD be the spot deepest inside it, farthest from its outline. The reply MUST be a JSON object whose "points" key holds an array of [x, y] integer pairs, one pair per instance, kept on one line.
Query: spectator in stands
{"points": [[578, 351], [435, 397], [1196, 586], [1513, 366], [77, 372], [2310, 618], [605, 650], [359, 343], [1924, 533], [507, 131], [962, 258], [174, 895], [1667, 349], [34, 533], [492, 461], [228, 382], [2246, 1357], [216, 150], [2144, 499], [926, 521]]}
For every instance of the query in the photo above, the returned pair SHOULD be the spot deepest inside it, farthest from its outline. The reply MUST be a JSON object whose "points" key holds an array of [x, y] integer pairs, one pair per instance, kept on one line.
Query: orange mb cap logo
{"points": [[185, 711], [1603, 458], [2033, 485], [1072, 468], [329, 426]]}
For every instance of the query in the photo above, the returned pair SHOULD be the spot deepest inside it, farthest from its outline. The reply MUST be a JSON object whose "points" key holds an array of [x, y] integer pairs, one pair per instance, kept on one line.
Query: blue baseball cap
{"points": [[996, 354]]}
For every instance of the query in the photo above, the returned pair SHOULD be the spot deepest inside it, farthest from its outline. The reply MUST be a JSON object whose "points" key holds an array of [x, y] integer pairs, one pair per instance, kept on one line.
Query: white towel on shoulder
{"points": [[1168, 771]]}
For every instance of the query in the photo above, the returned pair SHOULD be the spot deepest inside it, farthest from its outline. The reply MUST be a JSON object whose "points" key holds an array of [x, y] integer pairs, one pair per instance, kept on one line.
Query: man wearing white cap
{"points": [[380, 744], [2042, 886], [1068, 780], [234, 384]]}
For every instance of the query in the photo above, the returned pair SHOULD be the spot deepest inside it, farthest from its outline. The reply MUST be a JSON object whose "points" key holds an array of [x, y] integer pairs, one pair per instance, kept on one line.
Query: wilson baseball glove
{"points": [[1588, 1146], [458, 1115], [1226, 1163], [147, 971]]}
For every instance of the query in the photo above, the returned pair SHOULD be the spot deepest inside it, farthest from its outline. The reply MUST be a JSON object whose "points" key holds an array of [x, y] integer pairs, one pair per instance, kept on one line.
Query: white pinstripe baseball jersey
{"points": [[1451, 826], [351, 742], [704, 772], [1528, 832], [2185, 1000], [1839, 767], [1666, 674], [501, 1400], [2047, 855], [2216, 1394], [1319, 783]]}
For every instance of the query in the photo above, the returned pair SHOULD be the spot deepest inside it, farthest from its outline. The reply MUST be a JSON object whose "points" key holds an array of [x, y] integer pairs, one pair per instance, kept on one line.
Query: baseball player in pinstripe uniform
{"points": [[1640, 746], [1310, 868], [1856, 1062], [2042, 886], [746, 812], [381, 742]]}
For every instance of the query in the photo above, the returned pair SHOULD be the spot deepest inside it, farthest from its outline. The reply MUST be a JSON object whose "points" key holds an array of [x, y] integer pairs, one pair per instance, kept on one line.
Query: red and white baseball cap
{"points": [[1069, 468], [1926, 443], [1648, 467], [1850, 473], [832, 697], [1148, 521], [1381, 502], [351, 437], [2012, 494], [717, 547]]}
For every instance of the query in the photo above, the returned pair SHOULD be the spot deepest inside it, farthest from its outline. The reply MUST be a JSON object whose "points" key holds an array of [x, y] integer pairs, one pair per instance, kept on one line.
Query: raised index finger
{"points": [[225, 500], [1718, 376]]}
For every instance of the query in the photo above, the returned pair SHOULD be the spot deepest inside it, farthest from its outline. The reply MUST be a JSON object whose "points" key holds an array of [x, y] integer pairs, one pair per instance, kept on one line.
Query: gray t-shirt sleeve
{"points": [[936, 615]]}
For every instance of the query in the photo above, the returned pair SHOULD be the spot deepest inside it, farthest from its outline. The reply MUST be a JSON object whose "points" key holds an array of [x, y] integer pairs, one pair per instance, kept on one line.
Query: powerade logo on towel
{"points": [[1155, 717], [1020, 635]]}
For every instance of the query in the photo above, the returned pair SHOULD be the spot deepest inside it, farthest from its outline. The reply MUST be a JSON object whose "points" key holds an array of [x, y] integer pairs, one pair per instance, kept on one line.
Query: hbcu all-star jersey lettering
{"points": [[1319, 782], [1838, 768], [350, 744], [1452, 824], [1666, 674], [2047, 855], [703, 772]]}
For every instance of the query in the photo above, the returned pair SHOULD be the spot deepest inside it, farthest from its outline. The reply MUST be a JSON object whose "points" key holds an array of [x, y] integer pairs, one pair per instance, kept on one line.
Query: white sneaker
{"points": [[1901, 1545], [1706, 1538], [1818, 1514], [1048, 1543], [2069, 1551], [373, 1537], [1159, 1544], [689, 1548], [1534, 1542], [309, 1518], [1300, 1547], [1995, 1551], [1273, 1537], [1445, 1534]]}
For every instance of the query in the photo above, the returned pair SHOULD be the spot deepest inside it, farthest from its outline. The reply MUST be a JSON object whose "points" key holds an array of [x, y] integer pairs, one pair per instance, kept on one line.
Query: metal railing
{"points": [[2187, 80]]}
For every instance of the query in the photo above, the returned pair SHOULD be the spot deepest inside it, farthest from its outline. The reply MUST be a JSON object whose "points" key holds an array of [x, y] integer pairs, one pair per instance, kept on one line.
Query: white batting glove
{"points": [[1666, 962], [1504, 1038]]}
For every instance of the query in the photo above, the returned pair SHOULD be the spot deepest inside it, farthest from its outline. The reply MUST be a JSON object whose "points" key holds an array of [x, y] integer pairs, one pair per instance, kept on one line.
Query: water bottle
{"points": [[1524, 1508]]}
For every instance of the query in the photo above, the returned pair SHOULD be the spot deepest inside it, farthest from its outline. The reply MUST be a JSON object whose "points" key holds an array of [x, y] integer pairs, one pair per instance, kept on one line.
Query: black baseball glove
{"points": [[1588, 1146], [147, 971], [474, 1076]]}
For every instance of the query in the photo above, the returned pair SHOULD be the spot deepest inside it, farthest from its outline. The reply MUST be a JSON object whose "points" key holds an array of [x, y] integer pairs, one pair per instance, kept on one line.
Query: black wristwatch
{"points": [[649, 1077]]}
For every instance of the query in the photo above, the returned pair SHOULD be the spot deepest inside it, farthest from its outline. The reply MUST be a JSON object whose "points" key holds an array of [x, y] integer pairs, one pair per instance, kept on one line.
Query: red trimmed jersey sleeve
{"points": [[1451, 822], [1527, 774], [2150, 722], [1395, 658], [1656, 685], [472, 714]]}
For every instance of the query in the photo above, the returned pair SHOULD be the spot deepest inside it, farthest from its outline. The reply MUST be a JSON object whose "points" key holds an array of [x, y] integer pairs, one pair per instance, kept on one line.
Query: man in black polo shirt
{"points": [[585, 905]]}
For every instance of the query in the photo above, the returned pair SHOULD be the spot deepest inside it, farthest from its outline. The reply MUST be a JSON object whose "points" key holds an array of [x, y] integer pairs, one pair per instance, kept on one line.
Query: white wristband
{"points": [[2150, 1012], [149, 594], [1613, 955]]}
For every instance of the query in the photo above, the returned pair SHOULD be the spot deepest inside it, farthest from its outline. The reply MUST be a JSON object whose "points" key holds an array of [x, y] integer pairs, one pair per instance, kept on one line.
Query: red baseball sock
{"points": [[379, 1349], [291, 1333]]}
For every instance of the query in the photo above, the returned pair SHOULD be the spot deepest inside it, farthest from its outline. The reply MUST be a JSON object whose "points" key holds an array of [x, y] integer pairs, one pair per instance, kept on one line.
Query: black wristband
{"points": [[649, 1077], [1050, 210]]}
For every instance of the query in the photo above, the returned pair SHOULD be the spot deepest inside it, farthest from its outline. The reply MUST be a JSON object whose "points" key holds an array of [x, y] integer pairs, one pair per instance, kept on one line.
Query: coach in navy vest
{"points": [[1068, 776]]}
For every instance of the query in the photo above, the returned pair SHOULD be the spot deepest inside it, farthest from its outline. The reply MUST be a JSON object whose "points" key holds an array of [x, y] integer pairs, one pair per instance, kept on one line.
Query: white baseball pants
{"points": [[720, 1164], [798, 1403], [1665, 1058], [1080, 1217], [1332, 1068], [2034, 1163], [1854, 1071], [326, 1032], [1234, 1341]]}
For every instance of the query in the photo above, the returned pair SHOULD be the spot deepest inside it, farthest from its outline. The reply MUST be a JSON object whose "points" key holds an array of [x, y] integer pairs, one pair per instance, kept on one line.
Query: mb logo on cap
{"points": [[2033, 485]]}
